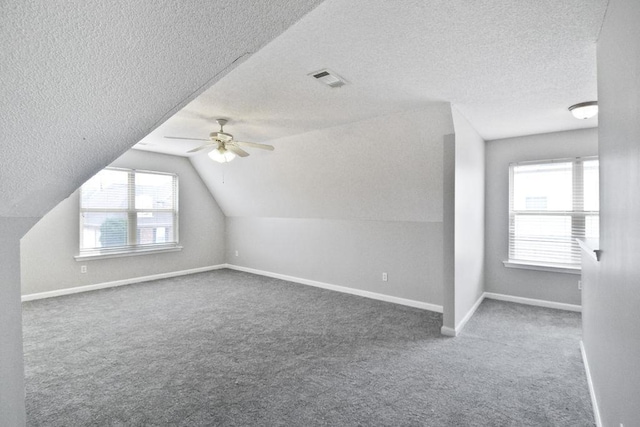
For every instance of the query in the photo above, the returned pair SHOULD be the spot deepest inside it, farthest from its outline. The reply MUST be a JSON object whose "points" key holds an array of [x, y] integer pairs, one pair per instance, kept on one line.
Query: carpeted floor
{"points": [[231, 348]]}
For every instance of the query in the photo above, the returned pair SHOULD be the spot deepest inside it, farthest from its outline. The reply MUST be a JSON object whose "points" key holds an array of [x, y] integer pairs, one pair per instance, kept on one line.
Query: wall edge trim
{"points": [[116, 283], [447, 331], [470, 313], [535, 302], [346, 290], [592, 391]]}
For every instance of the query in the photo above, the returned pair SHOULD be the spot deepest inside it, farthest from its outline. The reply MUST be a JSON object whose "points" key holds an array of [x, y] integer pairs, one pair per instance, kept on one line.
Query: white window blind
{"points": [[551, 204], [123, 210]]}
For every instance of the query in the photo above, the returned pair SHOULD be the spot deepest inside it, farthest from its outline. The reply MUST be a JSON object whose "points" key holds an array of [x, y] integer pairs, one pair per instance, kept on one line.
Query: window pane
{"points": [[103, 230], [542, 238], [543, 187], [154, 191], [547, 210], [155, 227], [106, 190], [591, 186], [592, 227]]}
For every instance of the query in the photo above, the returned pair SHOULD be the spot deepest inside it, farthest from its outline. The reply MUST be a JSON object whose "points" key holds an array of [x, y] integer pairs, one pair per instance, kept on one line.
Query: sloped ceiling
{"points": [[84, 81], [388, 168], [511, 67], [371, 150]]}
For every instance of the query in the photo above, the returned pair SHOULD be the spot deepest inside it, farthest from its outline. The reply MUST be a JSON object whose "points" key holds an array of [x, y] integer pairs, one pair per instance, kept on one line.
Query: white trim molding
{"points": [[343, 289], [469, 314], [90, 256], [592, 391], [451, 332], [87, 288], [447, 331], [541, 267], [535, 302]]}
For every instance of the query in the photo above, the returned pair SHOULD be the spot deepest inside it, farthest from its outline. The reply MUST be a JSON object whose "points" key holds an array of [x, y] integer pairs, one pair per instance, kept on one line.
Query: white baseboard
{"points": [[343, 289], [68, 291], [592, 392], [469, 314], [450, 332], [531, 301]]}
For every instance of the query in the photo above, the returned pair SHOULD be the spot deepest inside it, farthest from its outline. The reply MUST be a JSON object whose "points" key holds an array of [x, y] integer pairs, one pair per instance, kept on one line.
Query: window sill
{"points": [[541, 267], [126, 253]]}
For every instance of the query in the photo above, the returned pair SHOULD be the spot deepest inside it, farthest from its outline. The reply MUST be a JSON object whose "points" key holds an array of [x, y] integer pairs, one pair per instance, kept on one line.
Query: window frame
{"points": [[577, 214], [134, 248]]}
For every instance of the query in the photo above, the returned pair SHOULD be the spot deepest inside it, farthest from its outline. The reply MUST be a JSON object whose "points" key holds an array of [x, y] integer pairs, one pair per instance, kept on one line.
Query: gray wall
{"points": [[448, 235], [469, 216], [12, 408], [341, 205], [611, 324], [345, 253], [386, 168], [47, 250], [550, 286]]}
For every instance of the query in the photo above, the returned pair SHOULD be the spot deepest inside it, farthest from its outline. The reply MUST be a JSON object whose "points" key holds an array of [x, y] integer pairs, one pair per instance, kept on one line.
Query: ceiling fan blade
{"points": [[236, 150], [202, 147], [255, 145], [190, 139]]}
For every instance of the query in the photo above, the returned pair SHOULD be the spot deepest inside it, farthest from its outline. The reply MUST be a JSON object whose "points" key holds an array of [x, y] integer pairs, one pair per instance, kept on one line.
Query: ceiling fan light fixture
{"points": [[584, 110], [221, 155]]}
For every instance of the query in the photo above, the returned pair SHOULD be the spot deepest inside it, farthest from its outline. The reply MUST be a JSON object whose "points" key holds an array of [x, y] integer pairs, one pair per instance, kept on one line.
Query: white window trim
{"points": [[541, 266], [133, 250], [121, 253]]}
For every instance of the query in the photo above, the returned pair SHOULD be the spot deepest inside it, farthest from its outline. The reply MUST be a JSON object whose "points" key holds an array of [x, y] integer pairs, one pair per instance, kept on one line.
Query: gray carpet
{"points": [[231, 348]]}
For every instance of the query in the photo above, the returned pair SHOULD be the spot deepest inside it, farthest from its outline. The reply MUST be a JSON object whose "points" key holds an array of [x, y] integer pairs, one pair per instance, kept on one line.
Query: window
{"points": [[551, 204], [125, 211]]}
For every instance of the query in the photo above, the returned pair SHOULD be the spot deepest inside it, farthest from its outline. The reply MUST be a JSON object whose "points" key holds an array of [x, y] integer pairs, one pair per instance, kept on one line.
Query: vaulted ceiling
{"points": [[84, 81], [511, 67], [372, 149]]}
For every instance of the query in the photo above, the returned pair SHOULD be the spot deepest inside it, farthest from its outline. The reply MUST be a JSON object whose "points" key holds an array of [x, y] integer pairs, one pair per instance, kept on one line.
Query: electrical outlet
{"points": [[384, 277], [83, 269], [237, 253], [580, 285]]}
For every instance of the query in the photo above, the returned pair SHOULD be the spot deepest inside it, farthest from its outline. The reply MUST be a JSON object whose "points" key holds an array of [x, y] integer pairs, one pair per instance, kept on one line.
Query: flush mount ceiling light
{"points": [[584, 110]]}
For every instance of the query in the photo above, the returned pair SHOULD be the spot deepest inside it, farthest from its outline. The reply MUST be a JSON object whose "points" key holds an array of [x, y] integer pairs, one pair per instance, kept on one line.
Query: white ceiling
{"points": [[82, 81], [511, 68]]}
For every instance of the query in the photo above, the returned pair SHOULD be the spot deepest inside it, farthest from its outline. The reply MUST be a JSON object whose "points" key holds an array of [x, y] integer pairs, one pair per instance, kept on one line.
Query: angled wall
{"points": [[343, 205], [83, 82], [611, 324], [12, 406], [468, 220], [464, 187], [48, 249]]}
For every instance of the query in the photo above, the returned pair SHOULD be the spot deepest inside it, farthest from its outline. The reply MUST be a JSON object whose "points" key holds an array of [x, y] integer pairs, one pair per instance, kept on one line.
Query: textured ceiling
{"points": [[84, 81], [511, 67]]}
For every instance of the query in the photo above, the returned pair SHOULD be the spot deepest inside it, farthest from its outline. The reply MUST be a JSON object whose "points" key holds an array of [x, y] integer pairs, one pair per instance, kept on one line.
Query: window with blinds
{"points": [[124, 210], [551, 204]]}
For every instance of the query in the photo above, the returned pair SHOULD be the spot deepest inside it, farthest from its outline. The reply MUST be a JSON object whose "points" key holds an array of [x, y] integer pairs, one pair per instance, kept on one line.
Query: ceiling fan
{"points": [[224, 147]]}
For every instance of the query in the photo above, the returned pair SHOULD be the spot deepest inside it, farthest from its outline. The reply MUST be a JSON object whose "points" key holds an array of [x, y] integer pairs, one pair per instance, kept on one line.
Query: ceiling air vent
{"points": [[329, 78]]}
